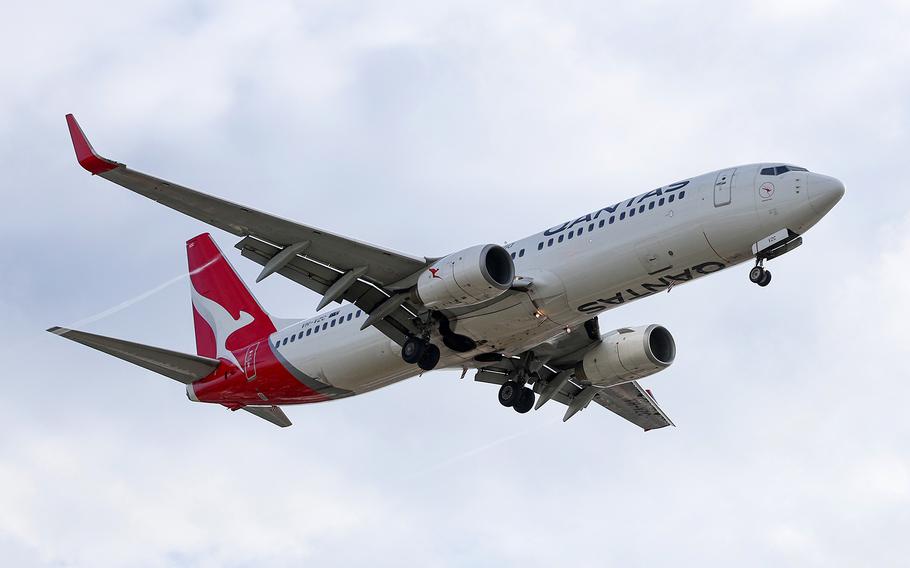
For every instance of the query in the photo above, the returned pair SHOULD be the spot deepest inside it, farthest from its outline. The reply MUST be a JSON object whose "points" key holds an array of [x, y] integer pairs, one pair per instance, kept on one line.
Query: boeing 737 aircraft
{"points": [[523, 315]]}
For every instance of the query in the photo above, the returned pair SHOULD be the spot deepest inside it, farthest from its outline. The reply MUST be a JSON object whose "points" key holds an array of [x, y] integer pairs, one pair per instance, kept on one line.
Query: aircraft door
{"points": [[249, 362], [722, 188]]}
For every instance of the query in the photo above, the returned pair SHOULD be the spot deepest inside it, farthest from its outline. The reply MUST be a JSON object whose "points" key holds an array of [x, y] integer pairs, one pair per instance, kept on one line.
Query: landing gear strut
{"points": [[759, 275], [420, 351]]}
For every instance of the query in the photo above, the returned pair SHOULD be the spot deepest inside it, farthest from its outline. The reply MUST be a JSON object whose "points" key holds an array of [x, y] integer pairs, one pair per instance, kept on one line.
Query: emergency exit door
{"points": [[723, 186]]}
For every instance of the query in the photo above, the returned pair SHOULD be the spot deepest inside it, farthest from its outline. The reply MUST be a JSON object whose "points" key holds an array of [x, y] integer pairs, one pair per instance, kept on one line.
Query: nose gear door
{"points": [[722, 187]]}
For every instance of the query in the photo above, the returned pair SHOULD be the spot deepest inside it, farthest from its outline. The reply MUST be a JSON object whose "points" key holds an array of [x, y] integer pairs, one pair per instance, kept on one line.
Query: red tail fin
{"points": [[226, 315]]}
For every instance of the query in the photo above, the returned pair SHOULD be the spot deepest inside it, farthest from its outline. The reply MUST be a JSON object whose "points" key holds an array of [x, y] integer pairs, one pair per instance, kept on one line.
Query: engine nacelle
{"points": [[466, 278], [626, 355]]}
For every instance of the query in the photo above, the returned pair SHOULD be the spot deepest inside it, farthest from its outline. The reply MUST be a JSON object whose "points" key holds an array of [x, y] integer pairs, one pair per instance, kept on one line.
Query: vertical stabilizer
{"points": [[226, 316]]}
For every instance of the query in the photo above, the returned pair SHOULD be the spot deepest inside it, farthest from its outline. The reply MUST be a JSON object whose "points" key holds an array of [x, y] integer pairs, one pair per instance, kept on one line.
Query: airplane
{"points": [[523, 316]]}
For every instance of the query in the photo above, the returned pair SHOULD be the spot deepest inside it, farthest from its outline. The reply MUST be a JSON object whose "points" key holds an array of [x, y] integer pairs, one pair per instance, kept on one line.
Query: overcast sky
{"points": [[428, 127]]}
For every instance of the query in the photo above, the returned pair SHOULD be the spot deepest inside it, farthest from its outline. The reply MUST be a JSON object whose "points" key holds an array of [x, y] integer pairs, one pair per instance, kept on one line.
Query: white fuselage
{"points": [[582, 267]]}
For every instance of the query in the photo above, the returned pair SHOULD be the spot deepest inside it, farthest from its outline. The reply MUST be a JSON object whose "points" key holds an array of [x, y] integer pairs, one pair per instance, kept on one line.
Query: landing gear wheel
{"points": [[412, 349], [509, 393], [757, 274], [525, 401], [429, 357], [765, 279]]}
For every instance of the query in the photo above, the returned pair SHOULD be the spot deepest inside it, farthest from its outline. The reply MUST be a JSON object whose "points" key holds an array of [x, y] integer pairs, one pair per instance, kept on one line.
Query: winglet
{"points": [[88, 158]]}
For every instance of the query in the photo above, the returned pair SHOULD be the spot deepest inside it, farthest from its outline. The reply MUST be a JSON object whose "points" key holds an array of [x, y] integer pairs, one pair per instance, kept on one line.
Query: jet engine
{"points": [[465, 278], [626, 355]]}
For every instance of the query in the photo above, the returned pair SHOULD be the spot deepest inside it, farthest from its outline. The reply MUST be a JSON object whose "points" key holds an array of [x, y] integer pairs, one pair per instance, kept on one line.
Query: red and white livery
{"points": [[523, 315]]}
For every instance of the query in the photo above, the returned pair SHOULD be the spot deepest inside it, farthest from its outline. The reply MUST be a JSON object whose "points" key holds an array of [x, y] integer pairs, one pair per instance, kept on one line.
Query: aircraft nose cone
{"points": [[824, 192]]}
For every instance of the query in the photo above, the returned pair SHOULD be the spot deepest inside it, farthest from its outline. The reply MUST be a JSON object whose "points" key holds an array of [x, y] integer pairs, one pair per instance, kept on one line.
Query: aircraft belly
{"points": [[357, 361], [501, 324]]}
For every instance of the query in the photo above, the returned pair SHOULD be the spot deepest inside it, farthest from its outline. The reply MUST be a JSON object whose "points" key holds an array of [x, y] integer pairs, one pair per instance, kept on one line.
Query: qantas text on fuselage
{"points": [[523, 315]]}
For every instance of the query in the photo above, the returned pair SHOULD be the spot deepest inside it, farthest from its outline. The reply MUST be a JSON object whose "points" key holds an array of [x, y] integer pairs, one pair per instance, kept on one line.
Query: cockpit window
{"points": [[778, 170]]}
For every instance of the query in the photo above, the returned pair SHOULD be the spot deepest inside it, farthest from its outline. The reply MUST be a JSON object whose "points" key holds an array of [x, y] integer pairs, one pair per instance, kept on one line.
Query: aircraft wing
{"points": [[557, 382], [181, 367], [319, 277], [310, 256]]}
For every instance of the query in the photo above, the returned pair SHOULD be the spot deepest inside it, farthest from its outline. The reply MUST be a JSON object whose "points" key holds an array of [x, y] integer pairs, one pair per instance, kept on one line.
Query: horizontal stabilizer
{"points": [[178, 366], [271, 413]]}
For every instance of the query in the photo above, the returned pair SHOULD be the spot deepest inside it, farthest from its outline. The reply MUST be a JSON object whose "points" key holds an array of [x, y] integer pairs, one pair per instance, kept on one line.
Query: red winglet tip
{"points": [[85, 154]]}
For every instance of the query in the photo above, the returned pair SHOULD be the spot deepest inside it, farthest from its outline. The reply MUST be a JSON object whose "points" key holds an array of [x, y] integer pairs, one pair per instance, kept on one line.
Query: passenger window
{"points": [[550, 243], [632, 212], [316, 329], [358, 314], [571, 234], [293, 337], [349, 316], [285, 342], [590, 227], [308, 332], [579, 231], [521, 253], [601, 224], [622, 215], [333, 323], [325, 325], [612, 218], [540, 245], [641, 209], [661, 202], [300, 335], [560, 238], [277, 344], [672, 197], [682, 194], [513, 256], [651, 205]]}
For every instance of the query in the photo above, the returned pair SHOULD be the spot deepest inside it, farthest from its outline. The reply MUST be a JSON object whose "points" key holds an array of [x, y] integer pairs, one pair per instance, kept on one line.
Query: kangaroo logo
{"points": [[433, 271], [222, 323]]}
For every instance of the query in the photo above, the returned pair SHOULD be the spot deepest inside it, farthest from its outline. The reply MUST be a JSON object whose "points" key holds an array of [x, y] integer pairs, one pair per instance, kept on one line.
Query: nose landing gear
{"points": [[759, 275]]}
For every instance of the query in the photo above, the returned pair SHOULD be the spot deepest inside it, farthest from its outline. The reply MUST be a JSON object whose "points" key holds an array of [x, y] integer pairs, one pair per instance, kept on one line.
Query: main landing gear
{"points": [[759, 275], [519, 397], [420, 351]]}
